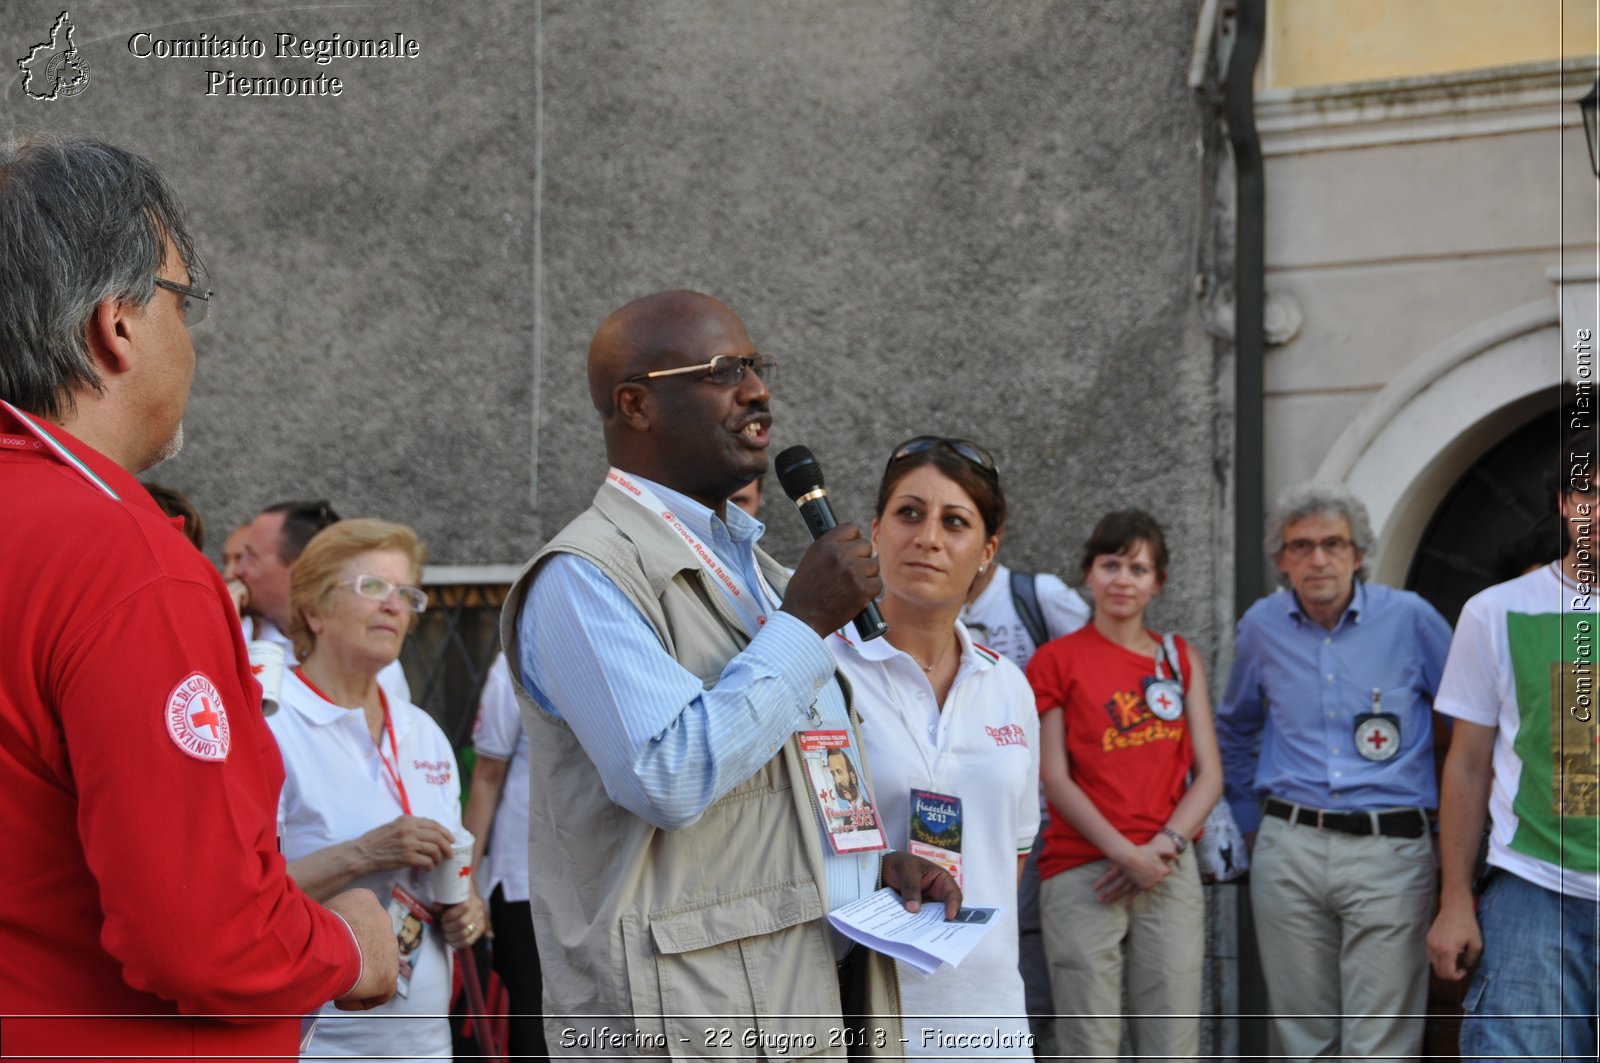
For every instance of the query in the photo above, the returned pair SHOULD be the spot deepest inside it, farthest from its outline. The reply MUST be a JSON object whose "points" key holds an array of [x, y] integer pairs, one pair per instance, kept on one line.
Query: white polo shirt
{"points": [[499, 734], [336, 789], [983, 747]]}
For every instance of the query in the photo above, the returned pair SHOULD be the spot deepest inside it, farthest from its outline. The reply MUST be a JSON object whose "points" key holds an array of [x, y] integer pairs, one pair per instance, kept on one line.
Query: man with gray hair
{"points": [[1327, 728], [138, 780]]}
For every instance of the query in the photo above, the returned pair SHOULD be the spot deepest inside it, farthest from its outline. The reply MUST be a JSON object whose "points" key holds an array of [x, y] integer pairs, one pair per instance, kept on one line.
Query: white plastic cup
{"points": [[267, 661], [452, 878]]}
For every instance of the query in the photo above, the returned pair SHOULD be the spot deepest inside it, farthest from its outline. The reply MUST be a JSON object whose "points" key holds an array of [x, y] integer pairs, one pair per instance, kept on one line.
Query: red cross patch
{"points": [[196, 720], [1377, 736]]}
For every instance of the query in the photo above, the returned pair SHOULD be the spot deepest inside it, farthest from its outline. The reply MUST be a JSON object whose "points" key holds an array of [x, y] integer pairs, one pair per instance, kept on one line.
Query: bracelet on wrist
{"points": [[1178, 840]]}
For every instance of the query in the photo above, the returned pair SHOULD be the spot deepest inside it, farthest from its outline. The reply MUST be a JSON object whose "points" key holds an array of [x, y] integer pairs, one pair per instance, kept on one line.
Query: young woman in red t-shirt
{"points": [[1129, 760]]}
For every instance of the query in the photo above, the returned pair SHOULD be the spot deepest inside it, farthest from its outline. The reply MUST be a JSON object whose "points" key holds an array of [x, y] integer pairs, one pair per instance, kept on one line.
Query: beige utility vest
{"points": [[705, 941]]}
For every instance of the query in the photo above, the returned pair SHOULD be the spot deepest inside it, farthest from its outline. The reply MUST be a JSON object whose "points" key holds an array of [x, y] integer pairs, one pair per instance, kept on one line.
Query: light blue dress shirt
{"points": [[666, 746], [1287, 721]]}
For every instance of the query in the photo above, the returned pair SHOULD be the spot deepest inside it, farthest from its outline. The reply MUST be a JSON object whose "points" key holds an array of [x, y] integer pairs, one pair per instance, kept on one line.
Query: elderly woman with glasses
{"points": [[950, 729], [371, 795]]}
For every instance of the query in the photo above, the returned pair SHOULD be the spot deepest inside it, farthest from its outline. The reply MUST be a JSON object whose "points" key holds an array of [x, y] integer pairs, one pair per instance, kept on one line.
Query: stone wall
{"points": [[948, 217]]}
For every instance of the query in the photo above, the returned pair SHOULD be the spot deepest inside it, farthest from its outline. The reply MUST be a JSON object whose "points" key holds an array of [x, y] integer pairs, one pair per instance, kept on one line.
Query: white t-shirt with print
{"points": [[1517, 664]]}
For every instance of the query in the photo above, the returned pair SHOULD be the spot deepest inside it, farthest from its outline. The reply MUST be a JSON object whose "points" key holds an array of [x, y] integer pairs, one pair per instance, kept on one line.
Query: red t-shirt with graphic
{"points": [[1131, 763]]}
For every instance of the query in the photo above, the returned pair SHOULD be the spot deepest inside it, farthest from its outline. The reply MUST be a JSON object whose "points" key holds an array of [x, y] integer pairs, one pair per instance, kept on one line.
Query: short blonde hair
{"points": [[316, 571]]}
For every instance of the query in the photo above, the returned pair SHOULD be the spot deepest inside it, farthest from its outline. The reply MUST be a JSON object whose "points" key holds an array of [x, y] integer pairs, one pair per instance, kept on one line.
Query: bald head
{"points": [[660, 331], [703, 437]]}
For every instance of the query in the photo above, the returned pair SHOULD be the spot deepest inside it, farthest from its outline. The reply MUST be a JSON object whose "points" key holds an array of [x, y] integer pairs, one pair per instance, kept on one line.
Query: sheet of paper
{"points": [[923, 939]]}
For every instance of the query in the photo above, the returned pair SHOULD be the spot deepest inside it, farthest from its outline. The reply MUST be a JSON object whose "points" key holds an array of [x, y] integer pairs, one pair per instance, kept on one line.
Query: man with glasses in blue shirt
{"points": [[1327, 746], [670, 673]]}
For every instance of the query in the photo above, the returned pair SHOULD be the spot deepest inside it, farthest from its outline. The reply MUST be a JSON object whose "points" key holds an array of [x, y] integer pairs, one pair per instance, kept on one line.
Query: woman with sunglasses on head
{"points": [[371, 795], [1131, 768], [951, 734]]}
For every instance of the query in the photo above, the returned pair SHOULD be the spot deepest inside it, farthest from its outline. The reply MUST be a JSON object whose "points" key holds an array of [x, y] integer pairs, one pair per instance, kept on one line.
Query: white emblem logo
{"points": [[1377, 737], [55, 69], [196, 719], [1165, 698]]}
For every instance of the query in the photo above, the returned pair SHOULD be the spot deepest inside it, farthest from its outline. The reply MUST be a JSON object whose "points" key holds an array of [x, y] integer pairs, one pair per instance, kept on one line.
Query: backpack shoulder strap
{"points": [[1025, 596]]}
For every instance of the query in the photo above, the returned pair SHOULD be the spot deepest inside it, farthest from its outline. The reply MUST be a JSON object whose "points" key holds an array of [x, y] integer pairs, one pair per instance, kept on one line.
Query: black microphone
{"points": [[801, 478]]}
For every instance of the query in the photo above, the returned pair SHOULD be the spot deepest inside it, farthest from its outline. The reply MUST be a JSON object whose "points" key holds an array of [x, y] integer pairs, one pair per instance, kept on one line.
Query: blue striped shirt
{"points": [[1286, 724], [666, 747]]}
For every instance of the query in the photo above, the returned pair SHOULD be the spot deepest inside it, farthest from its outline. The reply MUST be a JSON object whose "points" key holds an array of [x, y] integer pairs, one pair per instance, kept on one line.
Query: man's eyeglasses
{"points": [[378, 589], [196, 299], [725, 370], [1333, 546], [962, 448]]}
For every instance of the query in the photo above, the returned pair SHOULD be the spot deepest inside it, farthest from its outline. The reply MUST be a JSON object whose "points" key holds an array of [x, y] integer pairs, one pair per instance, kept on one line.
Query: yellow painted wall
{"points": [[1329, 42]]}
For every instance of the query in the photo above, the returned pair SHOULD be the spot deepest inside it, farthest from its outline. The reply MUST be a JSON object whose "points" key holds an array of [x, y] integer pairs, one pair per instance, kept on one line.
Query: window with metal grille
{"points": [[449, 651]]}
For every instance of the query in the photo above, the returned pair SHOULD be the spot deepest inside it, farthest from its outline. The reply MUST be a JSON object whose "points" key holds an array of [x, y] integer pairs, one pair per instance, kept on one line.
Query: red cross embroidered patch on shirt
{"points": [[196, 719]]}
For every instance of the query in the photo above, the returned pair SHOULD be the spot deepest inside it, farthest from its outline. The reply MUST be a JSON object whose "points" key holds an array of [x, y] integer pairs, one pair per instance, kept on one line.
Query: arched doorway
{"points": [[1437, 419], [1497, 498]]}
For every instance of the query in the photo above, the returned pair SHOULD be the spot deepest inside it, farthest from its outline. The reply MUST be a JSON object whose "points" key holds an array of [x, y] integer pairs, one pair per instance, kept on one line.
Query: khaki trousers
{"points": [[1157, 940], [1343, 922]]}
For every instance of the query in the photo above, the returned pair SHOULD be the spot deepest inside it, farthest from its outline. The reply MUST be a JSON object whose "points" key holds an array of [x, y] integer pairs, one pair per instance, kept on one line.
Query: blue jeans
{"points": [[1533, 996]]}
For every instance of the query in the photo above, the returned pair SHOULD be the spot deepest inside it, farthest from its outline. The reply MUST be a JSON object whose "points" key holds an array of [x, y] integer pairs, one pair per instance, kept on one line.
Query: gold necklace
{"points": [[936, 661]]}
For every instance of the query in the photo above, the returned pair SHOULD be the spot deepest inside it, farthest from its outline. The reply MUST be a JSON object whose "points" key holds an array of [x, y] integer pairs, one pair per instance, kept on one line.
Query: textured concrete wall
{"points": [[949, 218], [372, 254], [961, 218]]}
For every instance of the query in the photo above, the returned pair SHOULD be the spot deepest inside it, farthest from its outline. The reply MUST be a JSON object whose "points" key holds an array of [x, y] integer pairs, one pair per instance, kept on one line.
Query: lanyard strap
{"points": [[392, 769], [752, 608], [59, 449], [1167, 655]]}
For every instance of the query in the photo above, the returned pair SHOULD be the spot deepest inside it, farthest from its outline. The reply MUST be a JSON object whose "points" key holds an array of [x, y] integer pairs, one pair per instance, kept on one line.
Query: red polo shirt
{"points": [[138, 786]]}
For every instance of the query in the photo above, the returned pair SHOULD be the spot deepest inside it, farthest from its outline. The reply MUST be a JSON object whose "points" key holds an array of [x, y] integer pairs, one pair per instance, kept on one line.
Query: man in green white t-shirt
{"points": [[1520, 683]]}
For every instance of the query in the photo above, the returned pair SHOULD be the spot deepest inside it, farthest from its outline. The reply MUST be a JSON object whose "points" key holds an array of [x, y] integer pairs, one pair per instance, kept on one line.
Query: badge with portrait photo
{"points": [[412, 924], [849, 818]]}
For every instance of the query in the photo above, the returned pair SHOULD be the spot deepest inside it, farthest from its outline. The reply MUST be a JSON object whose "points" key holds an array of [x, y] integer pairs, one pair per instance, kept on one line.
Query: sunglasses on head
{"points": [[965, 449]]}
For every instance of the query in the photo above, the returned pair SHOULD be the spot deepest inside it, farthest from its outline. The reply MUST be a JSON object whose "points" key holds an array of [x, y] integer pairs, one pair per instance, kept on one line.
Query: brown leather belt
{"points": [[1402, 823]]}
